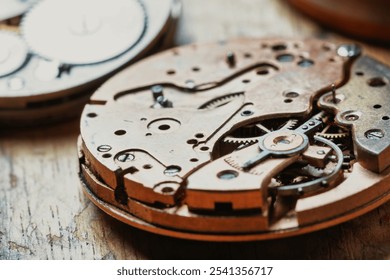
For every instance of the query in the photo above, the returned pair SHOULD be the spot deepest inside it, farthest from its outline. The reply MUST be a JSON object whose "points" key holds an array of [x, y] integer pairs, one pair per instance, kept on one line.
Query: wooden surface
{"points": [[44, 214]]}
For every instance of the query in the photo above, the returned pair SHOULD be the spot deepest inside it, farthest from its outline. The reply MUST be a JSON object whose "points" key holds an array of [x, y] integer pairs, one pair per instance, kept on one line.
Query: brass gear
{"points": [[231, 139]]}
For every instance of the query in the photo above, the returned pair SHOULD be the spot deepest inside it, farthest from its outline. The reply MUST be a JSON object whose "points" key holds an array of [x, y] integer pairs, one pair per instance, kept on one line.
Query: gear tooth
{"points": [[212, 104], [234, 140], [333, 135], [290, 124]]}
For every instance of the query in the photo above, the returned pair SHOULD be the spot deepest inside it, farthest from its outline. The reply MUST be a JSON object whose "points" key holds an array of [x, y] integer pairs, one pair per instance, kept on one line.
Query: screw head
{"points": [[351, 117], [374, 134], [172, 170], [125, 157], [349, 50], [190, 84], [104, 148]]}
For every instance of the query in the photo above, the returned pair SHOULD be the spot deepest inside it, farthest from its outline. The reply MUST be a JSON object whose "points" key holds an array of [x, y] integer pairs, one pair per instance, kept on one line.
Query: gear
{"points": [[241, 135], [331, 131], [96, 30], [221, 100], [13, 52]]}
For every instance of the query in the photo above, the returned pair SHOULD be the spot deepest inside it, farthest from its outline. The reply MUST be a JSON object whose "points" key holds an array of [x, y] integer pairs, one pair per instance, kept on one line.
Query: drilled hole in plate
{"points": [[171, 72], [332, 59], [359, 73], [285, 58], [279, 47], [192, 141], [164, 127], [262, 72], [227, 174], [199, 135], [247, 55], [377, 106], [204, 148], [148, 134], [120, 132], [147, 166], [194, 160], [306, 63], [106, 155], [246, 81], [377, 82], [91, 115], [143, 119], [195, 69], [288, 100], [246, 113], [385, 118], [167, 190], [291, 94]]}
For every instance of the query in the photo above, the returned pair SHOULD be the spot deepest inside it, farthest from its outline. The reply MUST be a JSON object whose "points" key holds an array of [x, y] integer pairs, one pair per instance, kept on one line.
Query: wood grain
{"points": [[44, 214]]}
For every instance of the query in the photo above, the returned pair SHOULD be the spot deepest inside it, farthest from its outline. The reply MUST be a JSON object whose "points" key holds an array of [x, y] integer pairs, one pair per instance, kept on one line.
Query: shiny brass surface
{"points": [[240, 140]]}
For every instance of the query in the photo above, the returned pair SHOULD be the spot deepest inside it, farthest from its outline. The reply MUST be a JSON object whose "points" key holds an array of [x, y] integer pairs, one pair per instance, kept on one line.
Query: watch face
{"points": [[240, 140], [63, 50]]}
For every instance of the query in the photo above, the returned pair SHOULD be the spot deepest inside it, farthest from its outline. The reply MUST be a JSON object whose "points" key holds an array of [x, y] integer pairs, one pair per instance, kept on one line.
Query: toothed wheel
{"points": [[220, 101], [250, 134], [331, 131]]}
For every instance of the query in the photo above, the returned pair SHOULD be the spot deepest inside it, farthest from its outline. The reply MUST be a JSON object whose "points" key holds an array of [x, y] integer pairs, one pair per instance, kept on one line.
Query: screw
{"points": [[104, 148], [231, 59], [321, 152], [127, 156], [190, 84], [374, 134], [172, 170], [157, 91], [351, 50], [164, 102], [351, 117]]}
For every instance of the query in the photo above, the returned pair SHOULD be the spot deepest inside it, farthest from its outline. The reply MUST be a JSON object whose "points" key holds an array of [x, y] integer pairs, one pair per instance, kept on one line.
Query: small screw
{"points": [[190, 84], [374, 134], [351, 50], [231, 59], [172, 170], [351, 117], [321, 152], [157, 91], [164, 102], [127, 156], [104, 148]]}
